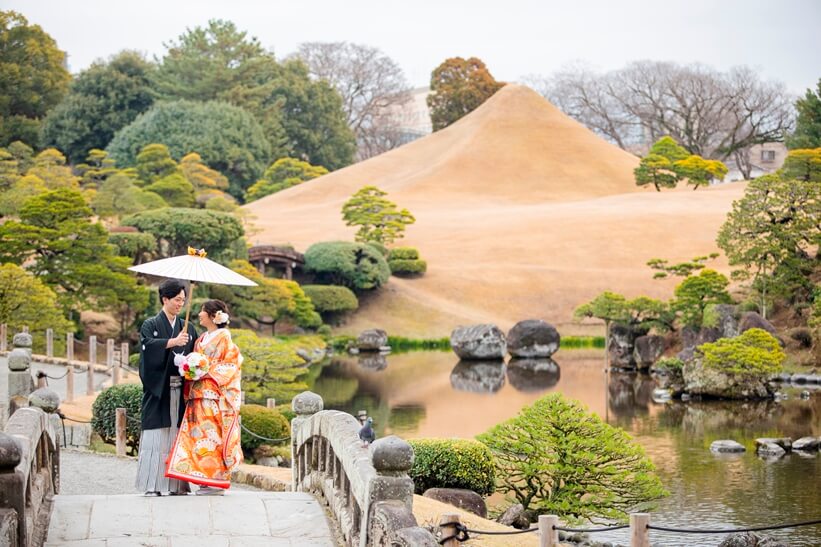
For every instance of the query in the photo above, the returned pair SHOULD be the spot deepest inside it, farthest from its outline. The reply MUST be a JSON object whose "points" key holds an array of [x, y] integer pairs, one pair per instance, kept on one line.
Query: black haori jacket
{"points": [[157, 367]]}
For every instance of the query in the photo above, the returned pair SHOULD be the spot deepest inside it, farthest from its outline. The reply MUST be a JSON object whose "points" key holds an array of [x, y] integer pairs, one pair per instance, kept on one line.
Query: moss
{"points": [[669, 363], [754, 352]]}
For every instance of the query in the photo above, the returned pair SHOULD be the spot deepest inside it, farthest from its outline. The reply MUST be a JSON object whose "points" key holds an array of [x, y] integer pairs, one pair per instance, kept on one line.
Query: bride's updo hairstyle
{"points": [[217, 310]]}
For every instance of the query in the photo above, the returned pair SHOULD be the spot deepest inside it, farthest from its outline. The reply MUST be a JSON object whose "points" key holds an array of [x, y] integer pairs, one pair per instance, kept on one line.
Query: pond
{"points": [[427, 394]]}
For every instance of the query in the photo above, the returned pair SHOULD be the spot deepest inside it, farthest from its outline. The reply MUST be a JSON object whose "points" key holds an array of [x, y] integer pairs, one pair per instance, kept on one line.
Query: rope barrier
{"points": [[43, 374], [261, 437], [733, 530]]}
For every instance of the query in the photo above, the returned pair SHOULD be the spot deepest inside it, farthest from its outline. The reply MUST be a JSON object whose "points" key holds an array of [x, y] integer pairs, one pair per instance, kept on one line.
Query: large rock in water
{"points": [[620, 344], [533, 338], [727, 320], [647, 350], [484, 341], [459, 497], [710, 382], [372, 340]]}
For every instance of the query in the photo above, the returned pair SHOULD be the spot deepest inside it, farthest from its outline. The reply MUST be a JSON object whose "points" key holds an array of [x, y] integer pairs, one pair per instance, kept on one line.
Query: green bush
{"points": [[287, 411], [404, 253], [452, 463], [384, 251], [669, 363], [555, 457], [265, 422], [755, 352], [401, 266], [104, 412], [331, 298], [357, 266]]}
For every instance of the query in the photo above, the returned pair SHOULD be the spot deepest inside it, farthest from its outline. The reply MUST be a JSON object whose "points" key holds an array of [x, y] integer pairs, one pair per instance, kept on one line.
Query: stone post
{"points": [[49, 342], [70, 384], [392, 458], [447, 523], [3, 337], [270, 402], [69, 346], [124, 355], [92, 360], [120, 427], [109, 356], [21, 383], [304, 405], [14, 491]]}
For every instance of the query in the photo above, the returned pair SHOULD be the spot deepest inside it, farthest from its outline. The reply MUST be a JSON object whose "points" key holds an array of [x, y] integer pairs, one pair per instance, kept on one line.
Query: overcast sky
{"points": [[781, 39]]}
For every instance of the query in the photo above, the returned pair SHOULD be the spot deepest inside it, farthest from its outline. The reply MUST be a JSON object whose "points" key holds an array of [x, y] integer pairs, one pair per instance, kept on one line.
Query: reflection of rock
{"points": [[533, 338], [373, 361], [478, 376], [533, 374], [703, 417], [749, 539], [372, 340], [478, 342], [629, 393]]}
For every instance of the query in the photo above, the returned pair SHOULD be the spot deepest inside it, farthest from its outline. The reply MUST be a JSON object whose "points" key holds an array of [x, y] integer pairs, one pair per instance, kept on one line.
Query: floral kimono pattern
{"points": [[207, 448]]}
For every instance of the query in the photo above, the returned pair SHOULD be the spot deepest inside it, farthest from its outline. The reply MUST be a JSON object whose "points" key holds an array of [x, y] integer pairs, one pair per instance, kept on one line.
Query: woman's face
{"points": [[205, 319]]}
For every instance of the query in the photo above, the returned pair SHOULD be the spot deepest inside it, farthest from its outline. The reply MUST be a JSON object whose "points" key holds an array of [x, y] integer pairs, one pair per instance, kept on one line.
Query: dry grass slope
{"points": [[521, 213]]}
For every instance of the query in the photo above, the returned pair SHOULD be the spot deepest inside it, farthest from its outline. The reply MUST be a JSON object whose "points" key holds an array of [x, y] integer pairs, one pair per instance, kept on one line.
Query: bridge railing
{"points": [[367, 490], [29, 476]]}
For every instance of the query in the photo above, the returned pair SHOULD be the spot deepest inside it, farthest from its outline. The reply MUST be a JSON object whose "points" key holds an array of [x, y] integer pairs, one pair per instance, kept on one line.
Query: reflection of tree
{"points": [[405, 419], [335, 390], [629, 395], [533, 374], [478, 376]]}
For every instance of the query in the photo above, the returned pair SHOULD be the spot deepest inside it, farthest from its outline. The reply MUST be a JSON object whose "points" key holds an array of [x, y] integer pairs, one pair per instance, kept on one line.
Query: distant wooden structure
{"points": [[281, 259]]}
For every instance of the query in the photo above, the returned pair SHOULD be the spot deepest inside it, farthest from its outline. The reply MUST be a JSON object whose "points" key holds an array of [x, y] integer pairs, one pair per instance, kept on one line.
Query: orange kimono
{"points": [[207, 448]]}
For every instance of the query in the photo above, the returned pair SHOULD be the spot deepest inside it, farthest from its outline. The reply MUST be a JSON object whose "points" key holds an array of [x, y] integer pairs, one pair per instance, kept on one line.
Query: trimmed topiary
{"points": [[408, 267], [331, 298], [263, 421], [452, 463], [357, 266], [755, 352], [668, 363], [104, 412], [404, 253]]}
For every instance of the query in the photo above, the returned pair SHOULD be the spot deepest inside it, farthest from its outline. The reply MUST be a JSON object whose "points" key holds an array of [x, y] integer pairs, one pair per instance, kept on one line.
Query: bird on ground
{"points": [[366, 433]]}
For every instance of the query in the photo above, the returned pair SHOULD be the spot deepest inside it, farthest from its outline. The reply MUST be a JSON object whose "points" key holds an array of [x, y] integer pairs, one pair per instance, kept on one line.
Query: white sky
{"points": [[779, 38]]}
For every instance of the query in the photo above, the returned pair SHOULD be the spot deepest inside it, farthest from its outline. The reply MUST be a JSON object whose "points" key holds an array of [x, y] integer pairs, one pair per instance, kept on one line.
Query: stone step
{"points": [[237, 518]]}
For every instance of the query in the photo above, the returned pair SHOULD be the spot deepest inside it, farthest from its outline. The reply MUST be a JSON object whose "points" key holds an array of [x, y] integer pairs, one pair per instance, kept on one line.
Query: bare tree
{"points": [[373, 89], [717, 115]]}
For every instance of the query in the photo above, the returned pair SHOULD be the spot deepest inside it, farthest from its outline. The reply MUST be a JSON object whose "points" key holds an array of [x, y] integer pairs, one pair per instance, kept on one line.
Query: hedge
{"points": [[452, 463], [401, 266], [404, 253], [355, 265], [331, 298], [265, 422], [104, 412], [756, 351]]}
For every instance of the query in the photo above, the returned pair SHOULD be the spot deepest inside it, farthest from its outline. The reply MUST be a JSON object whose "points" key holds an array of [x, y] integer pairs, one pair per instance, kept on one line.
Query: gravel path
{"points": [[84, 472]]}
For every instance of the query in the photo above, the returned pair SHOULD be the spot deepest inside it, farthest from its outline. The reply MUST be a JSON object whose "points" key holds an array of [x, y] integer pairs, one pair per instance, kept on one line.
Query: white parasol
{"points": [[193, 266]]}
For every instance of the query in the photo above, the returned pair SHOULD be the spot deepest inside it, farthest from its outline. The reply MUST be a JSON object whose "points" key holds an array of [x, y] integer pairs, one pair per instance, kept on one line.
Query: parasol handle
{"points": [[188, 306]]}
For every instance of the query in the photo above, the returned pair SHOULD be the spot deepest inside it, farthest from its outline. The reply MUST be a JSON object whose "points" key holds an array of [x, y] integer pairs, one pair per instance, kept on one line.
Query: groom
{"points": [[162, 406]]}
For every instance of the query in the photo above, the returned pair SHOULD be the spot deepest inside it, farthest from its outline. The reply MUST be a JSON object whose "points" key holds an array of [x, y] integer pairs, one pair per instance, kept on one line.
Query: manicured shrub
{"points": [[384, 251], [669, 363], [452, 463], [404, 253], [331, 298], [755, 352], [555, 457], [407, 267], [104, 412], [357, 266], [265, 422]]}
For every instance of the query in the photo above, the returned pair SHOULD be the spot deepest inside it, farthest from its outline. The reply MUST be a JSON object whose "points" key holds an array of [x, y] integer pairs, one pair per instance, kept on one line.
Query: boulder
{"points": [[749, 539], [711, 382], [783, 442], [725, 446], [371, 340], [533, 338], [620, 343], [727, 320], [752, 320], [647, 350], [530, 375], [515, 516], [770, 451], [807, 443], [483, 342], [459, 497], [478, 376]]}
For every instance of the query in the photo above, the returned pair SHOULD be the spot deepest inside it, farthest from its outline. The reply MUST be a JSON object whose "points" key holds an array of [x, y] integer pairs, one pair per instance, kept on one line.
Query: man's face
{"points": [[173, 306]]}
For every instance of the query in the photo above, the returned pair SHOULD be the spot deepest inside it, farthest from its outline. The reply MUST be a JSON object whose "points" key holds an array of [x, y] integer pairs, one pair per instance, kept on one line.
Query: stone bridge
{"points": [[342, 493]]}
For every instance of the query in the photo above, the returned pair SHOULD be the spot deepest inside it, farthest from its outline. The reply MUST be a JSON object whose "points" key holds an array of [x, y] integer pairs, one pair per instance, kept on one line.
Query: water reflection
{"points": [[373, 361], [533, 375], [422, 394], [478, 376]]}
